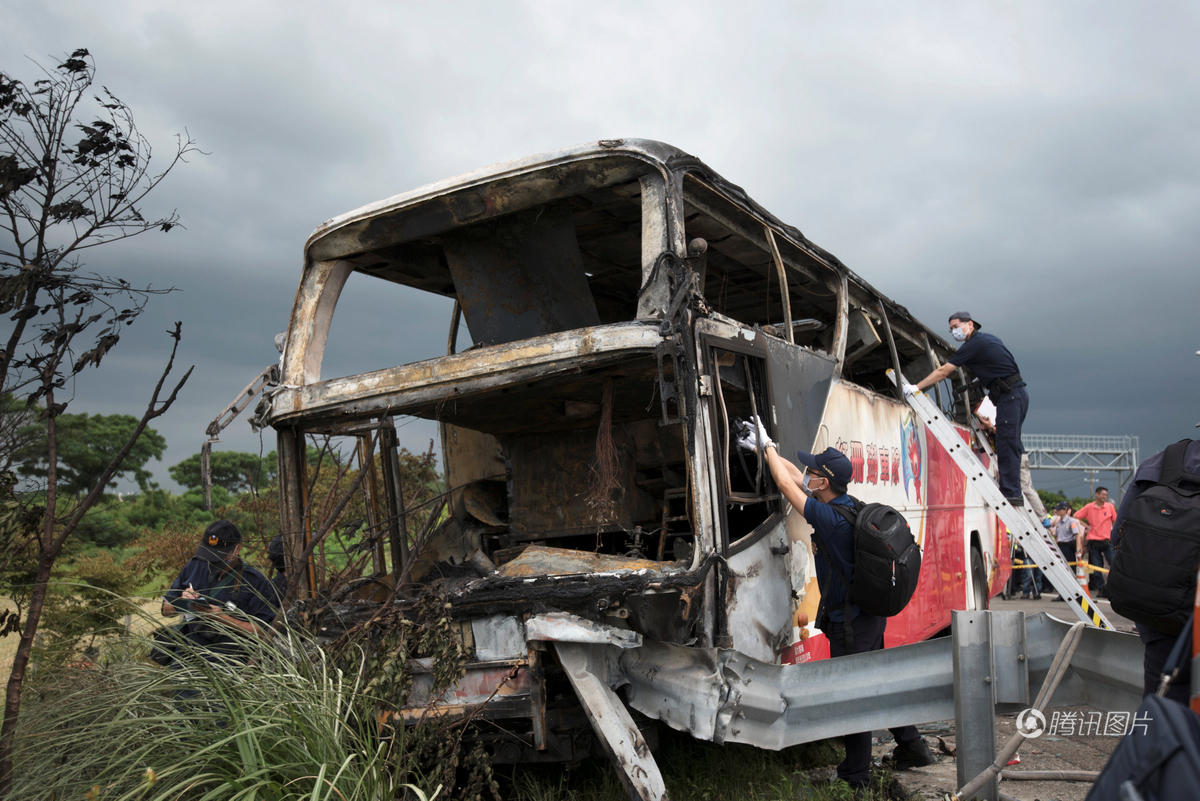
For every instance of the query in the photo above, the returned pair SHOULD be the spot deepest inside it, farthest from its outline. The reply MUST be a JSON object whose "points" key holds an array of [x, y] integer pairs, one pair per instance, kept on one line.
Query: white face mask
{"points": [[804, 485], [959, 333]]}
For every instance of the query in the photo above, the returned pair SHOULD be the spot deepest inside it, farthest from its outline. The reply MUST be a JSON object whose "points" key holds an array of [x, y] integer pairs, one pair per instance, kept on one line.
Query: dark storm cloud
{"points": [[1035, 163]]}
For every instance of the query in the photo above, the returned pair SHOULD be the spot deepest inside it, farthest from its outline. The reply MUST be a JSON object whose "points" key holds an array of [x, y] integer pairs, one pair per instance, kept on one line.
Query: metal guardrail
{"points": [[990, 663]]}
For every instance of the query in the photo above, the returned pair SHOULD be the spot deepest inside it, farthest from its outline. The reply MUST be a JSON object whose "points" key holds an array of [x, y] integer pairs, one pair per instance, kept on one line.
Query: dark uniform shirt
{"points": [[986, 357], [251, 593], [835, 547], [280, 583]]}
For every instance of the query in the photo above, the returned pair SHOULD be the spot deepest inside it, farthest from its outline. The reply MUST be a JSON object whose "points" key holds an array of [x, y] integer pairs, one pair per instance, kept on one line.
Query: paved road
{"points": [[1058, 609]]}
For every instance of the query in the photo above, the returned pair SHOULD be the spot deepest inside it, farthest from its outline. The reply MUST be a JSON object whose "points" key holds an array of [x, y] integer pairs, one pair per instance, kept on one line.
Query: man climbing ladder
{"points": [[1026, 529]]}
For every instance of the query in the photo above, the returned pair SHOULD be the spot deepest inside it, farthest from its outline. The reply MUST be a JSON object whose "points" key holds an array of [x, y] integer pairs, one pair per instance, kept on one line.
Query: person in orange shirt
{"points": [[1099, 517]]}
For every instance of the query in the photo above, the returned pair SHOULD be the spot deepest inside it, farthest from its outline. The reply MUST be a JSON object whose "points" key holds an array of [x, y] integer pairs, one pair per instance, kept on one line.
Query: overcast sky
{"points": [[1034, 163]]}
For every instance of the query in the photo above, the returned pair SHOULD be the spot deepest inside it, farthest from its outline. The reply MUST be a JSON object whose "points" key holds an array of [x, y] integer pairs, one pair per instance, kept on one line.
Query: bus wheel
{"points": [[979, 587]]}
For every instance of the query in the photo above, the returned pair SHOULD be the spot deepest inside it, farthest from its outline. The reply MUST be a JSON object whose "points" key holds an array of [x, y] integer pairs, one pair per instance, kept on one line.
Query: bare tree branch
{"points": [[74, 172], [154, 408]]}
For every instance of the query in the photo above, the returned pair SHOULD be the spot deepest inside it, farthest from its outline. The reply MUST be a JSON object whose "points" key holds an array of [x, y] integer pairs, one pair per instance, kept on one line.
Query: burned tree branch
{"points": [[154, 408]]}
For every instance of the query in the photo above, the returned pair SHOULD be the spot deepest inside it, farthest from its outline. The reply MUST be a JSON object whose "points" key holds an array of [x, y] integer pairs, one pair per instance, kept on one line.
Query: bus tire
{"points": [[979, 586]]}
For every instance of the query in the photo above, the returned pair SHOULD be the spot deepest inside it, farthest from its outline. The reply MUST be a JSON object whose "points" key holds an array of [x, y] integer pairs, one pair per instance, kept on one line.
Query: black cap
{"points": [[218, 540], [965, 317], [830, 463], [1062, 505]]}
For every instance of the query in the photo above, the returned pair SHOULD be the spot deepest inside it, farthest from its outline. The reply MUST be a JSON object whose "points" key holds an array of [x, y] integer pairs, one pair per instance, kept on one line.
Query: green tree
{"points": [[74, 175], [115, 522], [86, 446], [236, 471], [17, 430]]}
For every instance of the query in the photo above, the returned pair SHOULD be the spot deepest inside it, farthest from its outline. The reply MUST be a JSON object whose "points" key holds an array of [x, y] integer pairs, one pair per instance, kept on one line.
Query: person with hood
{"points": [[280, 580], [218, 593]]}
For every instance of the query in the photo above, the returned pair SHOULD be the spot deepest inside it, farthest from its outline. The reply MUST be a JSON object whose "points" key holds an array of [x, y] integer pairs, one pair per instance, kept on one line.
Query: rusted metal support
{"points": [[785, 297], [320, 288], [292, 489], [891, 340], [455, 318], [397, 516], [750, 232], [537, 694], [697, 258], [841, 328], [656, 240], [366, 461], [934, 363], [206, 472], [395, 389]]}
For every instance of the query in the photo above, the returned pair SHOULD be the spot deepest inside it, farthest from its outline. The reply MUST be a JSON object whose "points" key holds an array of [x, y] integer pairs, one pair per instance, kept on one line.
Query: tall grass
{"points": [[289, 723], [285, 724]]}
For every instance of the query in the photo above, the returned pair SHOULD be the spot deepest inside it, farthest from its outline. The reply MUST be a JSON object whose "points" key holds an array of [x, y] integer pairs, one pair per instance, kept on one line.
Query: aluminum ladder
{"points": [[1020, 521]]}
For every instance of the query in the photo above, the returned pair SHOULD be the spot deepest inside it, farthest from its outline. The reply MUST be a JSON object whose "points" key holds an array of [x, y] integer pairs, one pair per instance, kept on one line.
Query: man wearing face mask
{"points": [[992, 363], [814, 492]]}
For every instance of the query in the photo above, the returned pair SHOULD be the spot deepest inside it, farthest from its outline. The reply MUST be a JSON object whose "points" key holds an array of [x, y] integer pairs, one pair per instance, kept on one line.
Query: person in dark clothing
{"points": [[814, 492], [279, 581], [996, 369], [1157, 644], [217, 593]]}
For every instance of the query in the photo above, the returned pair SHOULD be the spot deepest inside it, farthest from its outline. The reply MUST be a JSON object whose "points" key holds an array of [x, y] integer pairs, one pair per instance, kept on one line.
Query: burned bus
{"points": [[604, 544]]}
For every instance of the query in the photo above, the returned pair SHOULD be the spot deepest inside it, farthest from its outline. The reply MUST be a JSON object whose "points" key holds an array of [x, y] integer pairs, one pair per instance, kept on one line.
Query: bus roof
{"points": [[510, 186]]}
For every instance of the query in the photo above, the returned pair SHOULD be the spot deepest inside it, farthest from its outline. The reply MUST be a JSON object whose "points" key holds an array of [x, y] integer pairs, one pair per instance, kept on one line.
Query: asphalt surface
{"points": [[1048, 752], [1049, 603]]}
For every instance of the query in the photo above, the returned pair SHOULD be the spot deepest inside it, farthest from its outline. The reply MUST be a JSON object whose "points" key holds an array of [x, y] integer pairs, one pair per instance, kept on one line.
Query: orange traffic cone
{"points": [[1081, 576]]}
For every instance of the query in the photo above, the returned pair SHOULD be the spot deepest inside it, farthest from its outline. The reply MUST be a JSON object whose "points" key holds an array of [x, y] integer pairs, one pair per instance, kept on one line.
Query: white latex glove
{"points": [[752, 434], [909, 389]]}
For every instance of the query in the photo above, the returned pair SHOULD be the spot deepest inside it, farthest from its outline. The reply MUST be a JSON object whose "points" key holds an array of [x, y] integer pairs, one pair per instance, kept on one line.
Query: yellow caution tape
{"points": [[1019, 565]]}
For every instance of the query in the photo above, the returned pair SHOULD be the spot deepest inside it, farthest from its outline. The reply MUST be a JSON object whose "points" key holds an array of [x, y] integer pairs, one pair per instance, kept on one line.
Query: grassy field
{"points": [[139, 624]]}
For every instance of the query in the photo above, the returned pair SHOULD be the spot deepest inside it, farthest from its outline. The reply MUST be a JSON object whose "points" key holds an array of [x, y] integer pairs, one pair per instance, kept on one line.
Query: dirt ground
{"points": [[1047, 752]]}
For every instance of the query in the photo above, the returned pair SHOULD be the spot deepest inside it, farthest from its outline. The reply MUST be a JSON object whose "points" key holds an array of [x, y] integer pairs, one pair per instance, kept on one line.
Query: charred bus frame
{"points": [[625, 304]]}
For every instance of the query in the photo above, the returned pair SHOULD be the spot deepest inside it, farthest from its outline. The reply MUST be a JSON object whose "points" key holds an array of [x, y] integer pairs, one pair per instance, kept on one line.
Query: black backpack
{"points": [[1153, 578], [887, 561], [1159, 760]]}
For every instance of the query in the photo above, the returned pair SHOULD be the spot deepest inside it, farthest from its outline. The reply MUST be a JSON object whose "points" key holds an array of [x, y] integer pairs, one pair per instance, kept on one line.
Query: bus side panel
{"points": [[887, 448], [999, 561], [979, 517], [947, 494], [943, 585]]}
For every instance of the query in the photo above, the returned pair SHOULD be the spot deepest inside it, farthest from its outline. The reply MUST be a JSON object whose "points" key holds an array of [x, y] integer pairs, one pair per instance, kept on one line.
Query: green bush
{"points": [[117, 521]]}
